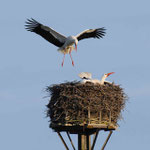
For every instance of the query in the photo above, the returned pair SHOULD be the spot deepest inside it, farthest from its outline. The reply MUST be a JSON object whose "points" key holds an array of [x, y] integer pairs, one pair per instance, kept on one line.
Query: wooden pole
{"points": [[71, 141], [94, 140], [63, 141], [84, 142], [80, 142], [110, 133], [88, 142]]}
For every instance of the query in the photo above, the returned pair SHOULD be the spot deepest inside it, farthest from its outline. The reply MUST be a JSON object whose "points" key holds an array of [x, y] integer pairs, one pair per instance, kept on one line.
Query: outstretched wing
{"points": [[85, 75], [47, 33], [91, 33]]}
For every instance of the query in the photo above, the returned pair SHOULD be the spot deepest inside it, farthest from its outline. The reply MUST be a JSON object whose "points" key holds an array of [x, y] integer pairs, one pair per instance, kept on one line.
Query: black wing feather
{"points": [[34, 26], [97, 33]]}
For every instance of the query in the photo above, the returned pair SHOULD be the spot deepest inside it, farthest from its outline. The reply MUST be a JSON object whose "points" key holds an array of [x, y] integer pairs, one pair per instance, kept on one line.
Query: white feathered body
{"points": [[68, 45], [87, 77]]}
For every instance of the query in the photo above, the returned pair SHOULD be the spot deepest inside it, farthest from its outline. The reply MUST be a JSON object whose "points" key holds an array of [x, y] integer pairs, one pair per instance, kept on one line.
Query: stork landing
{"points": [[64, 43]]}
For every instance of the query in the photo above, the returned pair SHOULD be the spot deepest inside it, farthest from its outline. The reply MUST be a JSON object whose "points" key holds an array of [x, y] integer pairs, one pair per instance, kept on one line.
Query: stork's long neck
{"points": [[103, 79]]}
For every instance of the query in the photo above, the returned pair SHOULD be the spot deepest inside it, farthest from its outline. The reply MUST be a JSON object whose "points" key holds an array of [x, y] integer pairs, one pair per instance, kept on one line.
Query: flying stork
{"points": [[87, 77], [64, 43]]}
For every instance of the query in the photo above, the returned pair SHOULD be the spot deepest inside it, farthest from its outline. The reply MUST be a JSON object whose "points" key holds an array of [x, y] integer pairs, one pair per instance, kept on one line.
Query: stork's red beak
{"points": [[76, 47], [110, 73]]}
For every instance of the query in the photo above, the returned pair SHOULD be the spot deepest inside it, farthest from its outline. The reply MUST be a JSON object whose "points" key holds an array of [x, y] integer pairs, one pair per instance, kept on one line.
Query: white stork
{"points": [[87, 77], [64, 43]]}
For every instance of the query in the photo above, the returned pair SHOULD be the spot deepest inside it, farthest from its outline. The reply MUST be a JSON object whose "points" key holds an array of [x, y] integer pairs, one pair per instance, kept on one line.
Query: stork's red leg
{"points": [[63, 61], [71, 57]]}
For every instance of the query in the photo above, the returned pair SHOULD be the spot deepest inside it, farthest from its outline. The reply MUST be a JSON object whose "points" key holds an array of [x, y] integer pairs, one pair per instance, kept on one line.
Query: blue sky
{"points": [[28, 64]]}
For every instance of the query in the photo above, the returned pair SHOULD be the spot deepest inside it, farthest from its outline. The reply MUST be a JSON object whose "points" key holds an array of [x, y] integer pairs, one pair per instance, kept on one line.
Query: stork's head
{"points": [[76, 43], [108, 74]]}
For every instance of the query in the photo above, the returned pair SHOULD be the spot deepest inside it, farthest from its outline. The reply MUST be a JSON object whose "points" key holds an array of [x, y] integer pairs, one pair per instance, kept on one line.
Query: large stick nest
{"points": [[75, 103]]}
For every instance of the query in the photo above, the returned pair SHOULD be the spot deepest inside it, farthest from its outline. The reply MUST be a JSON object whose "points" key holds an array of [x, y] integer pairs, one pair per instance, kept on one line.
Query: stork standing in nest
{"points": [[64, 43], [87, 77]]}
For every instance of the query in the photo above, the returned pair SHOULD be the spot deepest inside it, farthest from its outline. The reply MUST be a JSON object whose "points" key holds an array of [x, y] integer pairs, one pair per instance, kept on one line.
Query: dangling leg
{"points": [[63, 61], [71, 57]]}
